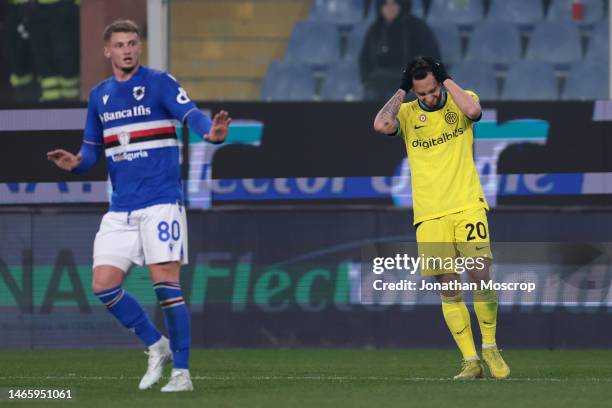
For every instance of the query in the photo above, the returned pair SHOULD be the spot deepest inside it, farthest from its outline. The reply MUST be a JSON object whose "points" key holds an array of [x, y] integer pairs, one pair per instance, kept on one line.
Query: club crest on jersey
{"points": [[138, 92], [124, 138], [451, 118], [105, 99], [423, 118]]}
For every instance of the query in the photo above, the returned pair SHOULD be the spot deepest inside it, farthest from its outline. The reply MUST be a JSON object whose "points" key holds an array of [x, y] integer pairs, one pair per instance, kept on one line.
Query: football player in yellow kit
{"points": [[450, 209]]}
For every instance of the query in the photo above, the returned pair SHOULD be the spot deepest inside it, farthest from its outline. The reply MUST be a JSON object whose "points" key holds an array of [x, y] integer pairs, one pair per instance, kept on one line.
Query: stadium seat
{"points": [[587, 81], [561, 10], [477, 77], [449, 40], [530, 81], [316, 43], [340, 12], [460, 12], [598, 49], [557, 42], [342, 83], [523, 12], [286, 81], [354, 42], [495, 42]]}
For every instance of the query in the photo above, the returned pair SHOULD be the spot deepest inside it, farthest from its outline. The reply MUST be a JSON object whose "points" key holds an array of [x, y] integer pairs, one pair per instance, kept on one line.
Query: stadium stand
{"points": [[210, 58], [316, 43], [477, 76], [463, 13], [288, 81], [340, 12], [354, 41], [530, 81], [516, 11], [495, 42], [213, 42], [557, 42], [586, 81], [342, 83], [449, 40], [598, 48], [567, 10]]}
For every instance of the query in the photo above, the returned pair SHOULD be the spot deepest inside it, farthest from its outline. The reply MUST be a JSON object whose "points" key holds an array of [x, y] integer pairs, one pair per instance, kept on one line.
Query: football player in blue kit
{"points": [[131, 119]]}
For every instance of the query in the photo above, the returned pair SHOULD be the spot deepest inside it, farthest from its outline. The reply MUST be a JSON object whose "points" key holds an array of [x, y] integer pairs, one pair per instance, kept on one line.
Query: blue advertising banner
{"points": [[308, 153]]}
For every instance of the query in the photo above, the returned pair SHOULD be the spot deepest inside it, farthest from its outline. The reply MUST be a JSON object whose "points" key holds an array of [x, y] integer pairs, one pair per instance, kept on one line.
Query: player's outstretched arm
{"points": [[385, 121], [76, 163], [219, 128], [465, 102], [214, 131], [64, 159]]}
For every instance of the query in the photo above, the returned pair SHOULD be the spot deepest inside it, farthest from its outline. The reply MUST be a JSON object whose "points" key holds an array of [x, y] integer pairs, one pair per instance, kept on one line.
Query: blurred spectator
{"points": [[54, 31], [395, 38], [19, 52]]}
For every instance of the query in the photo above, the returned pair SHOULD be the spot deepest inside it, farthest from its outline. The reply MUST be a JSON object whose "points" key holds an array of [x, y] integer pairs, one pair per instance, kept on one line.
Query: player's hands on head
{"points": [[63, 159], [438, 69], [219, 128], [406, 84]]}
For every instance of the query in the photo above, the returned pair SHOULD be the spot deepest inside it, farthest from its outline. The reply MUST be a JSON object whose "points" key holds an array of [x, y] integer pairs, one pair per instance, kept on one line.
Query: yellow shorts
{"points": [[448, 243]]}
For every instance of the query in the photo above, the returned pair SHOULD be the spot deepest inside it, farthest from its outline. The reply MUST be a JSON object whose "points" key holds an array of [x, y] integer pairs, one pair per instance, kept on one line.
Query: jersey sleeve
{"points": [[477, 99], [94, 133], [174, 98]]}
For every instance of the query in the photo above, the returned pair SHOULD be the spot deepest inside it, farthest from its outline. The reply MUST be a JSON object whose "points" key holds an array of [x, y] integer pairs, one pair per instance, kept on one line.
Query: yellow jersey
{"points": [[440, 146]]}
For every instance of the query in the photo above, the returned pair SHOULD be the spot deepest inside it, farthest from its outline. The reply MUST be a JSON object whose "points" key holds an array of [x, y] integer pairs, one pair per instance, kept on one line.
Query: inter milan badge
{"points": [[451, 118], [422, 118], [124, 138], [138, 92]]}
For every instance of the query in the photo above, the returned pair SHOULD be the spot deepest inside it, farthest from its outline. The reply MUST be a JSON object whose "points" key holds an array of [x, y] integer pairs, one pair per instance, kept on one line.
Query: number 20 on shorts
{"points": [[480, 228]]}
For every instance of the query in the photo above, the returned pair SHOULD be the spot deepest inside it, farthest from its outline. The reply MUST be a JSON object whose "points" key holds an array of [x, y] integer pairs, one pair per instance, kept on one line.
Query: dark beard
{"points": [[128, 70]]}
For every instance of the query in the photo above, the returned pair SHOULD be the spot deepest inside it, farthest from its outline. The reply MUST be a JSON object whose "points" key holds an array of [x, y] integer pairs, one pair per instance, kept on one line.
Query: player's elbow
{"points": [[474, 112], [382, 127]]}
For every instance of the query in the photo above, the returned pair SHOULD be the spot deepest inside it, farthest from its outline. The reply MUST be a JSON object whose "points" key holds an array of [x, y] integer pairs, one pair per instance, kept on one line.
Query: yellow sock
{"points": [[485, 305], [457, 319]]}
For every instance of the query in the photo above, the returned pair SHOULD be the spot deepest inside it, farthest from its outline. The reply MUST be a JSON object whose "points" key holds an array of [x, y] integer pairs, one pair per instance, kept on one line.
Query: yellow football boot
{"points": [[497, 366], [470, 369]]}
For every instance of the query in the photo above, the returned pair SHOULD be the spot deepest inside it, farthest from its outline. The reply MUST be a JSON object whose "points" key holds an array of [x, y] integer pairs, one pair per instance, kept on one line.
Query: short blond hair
{"points": [[120, 26]]}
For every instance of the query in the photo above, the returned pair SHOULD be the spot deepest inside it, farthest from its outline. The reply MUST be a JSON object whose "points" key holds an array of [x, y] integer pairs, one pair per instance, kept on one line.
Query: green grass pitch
{"points": [[315, 378]]}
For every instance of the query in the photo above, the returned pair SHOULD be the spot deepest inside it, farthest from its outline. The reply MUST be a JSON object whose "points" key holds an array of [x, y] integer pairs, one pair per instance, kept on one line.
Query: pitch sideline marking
{"points": [[304, 378]]}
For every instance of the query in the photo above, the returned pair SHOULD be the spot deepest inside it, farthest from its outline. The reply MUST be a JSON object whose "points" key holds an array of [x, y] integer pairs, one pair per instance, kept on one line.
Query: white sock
{"points": [[486, 346], [159, 344]]}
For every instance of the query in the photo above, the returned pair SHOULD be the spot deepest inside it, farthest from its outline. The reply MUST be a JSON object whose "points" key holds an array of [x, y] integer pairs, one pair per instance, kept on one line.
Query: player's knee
{"points": [[165, 272], [105, 278], [100, 285], [97, 286]]}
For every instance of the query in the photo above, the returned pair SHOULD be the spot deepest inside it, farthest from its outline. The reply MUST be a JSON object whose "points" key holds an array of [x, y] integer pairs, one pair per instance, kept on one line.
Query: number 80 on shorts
{"points": [[167, 231]]}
